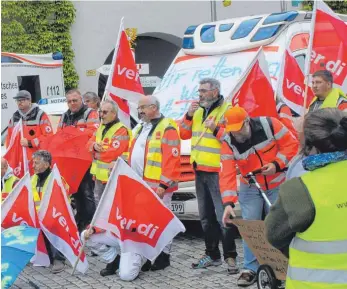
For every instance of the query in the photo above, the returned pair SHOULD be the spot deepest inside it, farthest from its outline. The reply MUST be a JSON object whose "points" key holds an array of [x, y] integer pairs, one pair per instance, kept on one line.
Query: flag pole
{"points": [[121, 28], [92, 223], [309, 51], [25, 157]]}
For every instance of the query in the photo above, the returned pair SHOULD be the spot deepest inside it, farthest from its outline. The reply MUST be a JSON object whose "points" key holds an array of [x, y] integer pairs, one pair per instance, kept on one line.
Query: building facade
{"points": [[160, 26]]}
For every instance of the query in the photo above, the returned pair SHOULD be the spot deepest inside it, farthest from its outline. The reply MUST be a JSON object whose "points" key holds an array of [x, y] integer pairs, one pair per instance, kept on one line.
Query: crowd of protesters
{"points": [[308, 209]]}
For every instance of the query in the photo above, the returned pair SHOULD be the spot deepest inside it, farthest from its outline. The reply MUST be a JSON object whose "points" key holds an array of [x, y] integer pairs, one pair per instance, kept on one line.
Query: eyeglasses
{"points": [[103, 112], [21, 100], [73, 101], [144, 106], [203, 90]]}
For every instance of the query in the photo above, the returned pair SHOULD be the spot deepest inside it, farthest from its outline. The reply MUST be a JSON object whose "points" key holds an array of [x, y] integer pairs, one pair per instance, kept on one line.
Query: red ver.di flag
{"points": [[135, 214], [69, 153], [16, 154], [254, 91], [328, 43], [19, 209], [58, 223], [292, 84], [124, 79]]}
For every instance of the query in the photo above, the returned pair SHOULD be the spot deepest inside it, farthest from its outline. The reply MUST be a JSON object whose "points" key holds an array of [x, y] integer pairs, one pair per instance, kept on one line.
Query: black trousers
{"points": [[211, 213], [85, 202]]}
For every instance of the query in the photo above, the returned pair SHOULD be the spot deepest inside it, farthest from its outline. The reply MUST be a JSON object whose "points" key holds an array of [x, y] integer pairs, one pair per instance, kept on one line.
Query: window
{"points": [[266, 32], [191, 29], [9, 59], [245, 28], [279, 17], [225, 27], [188, 43], [301, 61], [32, 84], [207, 33]]}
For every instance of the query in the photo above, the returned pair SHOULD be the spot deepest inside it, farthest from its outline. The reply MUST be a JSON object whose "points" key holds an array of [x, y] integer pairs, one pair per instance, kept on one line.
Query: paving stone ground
{"points": [[185, 250]]}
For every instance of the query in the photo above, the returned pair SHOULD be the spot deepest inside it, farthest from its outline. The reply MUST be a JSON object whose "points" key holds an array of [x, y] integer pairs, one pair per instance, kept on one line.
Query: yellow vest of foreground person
{"points": [[318, 256]]}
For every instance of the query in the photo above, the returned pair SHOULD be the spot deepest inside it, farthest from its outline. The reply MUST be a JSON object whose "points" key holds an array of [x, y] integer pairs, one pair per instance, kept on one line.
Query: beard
{"points": [[206, 103]]}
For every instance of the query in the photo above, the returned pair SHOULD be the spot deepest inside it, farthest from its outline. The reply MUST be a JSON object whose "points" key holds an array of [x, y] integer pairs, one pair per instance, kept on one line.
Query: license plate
{"points": [[177, 207]]}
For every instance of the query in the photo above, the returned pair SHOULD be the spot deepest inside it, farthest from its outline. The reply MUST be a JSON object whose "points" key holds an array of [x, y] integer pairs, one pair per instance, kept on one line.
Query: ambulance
{"points": [[41, 75], [223, 50]]}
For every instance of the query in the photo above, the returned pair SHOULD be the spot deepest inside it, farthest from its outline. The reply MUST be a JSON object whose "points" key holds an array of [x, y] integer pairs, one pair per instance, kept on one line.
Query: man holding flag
{"points": [[110, 141], [84, 119], [155, 157], [261, 143], [36, 124], [205, 125], [42, 161], [325, 94]]}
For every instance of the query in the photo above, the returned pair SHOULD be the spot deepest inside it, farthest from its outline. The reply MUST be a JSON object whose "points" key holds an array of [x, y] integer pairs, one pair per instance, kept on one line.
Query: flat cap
{"points": [[23, 94]]}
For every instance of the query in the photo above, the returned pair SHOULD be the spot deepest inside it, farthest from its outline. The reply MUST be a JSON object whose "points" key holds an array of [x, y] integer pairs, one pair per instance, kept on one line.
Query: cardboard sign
{"points": [[253, 232]]}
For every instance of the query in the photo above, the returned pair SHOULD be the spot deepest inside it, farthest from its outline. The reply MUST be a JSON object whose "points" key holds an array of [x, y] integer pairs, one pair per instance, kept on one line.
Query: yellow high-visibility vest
{"points": [[318, 256], [101, 169], [8, 187], [207, 152]]}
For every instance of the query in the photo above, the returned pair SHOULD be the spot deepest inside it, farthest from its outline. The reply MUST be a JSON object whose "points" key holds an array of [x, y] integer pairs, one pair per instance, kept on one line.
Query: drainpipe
{"points": [[213, 11]]}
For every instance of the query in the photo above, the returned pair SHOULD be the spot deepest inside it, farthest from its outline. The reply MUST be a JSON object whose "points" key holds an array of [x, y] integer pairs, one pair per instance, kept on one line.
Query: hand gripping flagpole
{"points": [[109, 79], [25, 157], [92, 223]]}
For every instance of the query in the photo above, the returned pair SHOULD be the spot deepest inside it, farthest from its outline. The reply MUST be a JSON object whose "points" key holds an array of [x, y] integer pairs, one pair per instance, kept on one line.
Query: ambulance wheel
{"points": [[266, 278]]}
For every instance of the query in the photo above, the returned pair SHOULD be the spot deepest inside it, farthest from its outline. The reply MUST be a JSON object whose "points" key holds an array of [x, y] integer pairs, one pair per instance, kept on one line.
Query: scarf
{"points": [[314, 162]]}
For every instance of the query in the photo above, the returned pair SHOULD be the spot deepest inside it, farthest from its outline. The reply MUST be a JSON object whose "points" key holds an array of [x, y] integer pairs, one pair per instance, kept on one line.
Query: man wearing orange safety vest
{"points": [[87, 120], [286, 117], [108, 143], [155, 156], [36, 124], [253, 143], [204, 124]]}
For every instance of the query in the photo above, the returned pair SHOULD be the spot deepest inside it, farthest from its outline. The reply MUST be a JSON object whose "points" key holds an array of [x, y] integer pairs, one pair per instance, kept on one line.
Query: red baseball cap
{"points": [[234, 118]]}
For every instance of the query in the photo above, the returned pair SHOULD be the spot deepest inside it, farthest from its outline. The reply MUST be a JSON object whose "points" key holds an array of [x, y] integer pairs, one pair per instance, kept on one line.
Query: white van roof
{"points": [[238, 34]]}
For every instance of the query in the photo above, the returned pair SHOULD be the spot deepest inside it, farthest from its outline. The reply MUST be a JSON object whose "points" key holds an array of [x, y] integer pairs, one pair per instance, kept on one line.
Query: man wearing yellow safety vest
{"points": [[204, 124], [155, 156], [8, 179], [310, 213], [110, 141], [325, 94], [42, 161]]}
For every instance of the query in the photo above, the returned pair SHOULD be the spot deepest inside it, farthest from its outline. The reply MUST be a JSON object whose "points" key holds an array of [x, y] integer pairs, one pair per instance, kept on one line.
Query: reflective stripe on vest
{"points": [[152, 169], [207, 151], [33, 122], [8, 187], [318, 256], [99, 168], [37, 199], [80, 121]]}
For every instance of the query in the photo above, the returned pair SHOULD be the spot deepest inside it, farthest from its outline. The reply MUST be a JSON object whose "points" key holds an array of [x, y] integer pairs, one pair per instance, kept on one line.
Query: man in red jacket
{"points": [[251, 144], [85, 119], [36, 124]]}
